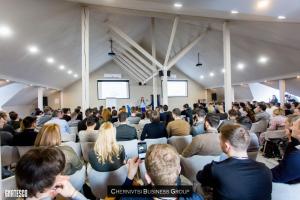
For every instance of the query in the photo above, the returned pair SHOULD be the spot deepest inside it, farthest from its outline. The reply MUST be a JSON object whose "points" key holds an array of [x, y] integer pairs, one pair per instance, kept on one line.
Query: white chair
{"points": [[180, 142], [281, 191], [78, 178], [23, 149], [68, 137], [8, 184], [9, 155], [156, 141], [100, 180], [74, 130], [86, 147], [75, 146], [130, 148]]}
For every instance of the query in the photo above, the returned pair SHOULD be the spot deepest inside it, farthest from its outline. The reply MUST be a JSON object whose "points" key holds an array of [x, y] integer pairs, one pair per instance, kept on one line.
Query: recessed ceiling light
{"points": [[265, 81], [33, 49], [202, 77], [262, 4], [263, 59], [5, 31], [298, 77], [234, 12], [75, 75], [240, 66], [177, 5], [50, 60], [7, 80], [31, 85], [281, 17], [61, 67], [223, 70], [70, 72], [211, 74]]}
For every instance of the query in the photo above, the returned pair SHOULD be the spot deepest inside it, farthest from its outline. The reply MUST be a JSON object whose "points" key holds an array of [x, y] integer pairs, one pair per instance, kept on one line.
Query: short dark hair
{"points": [[287, 105], [90, 121], [200, 112], [166, 108], [177, 112], [38, 168], [295, 104], [28, 121], [122, 116], [55, 113], [237, 136], [3, 114], [114, 112], [262, 106], [212, 119], [155, 117], [233, 113], [148, 114], [65, 110], [88, 112], [13, 115], [186, 106]]}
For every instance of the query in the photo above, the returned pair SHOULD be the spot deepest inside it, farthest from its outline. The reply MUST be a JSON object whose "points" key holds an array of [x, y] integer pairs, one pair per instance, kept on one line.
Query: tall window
{"points": [[177, 88], [118, 89]]}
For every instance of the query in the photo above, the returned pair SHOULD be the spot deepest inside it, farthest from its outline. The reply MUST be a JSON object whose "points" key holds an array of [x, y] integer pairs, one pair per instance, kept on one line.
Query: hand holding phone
{"points": [[142, 150]]}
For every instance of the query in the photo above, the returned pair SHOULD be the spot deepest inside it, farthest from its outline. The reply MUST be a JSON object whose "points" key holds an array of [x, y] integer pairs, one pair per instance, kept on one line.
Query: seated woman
{"points": [[39, 173], [90, 134], [198, 122], [107, 154], [277, 122], [49, 136], [155, 129]]}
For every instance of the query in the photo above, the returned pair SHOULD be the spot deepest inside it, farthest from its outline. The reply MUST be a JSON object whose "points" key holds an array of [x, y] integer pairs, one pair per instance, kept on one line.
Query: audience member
{"points": [[198, 122], [188, 113], [6, 137], [124, 131], [233, 116], [114, 116], [155, 129], [178, 127], [90, 134], [237, 177], [133, 118], [107, 154], [105, 116], [162, 163], [66, 114], [15, 121], [50, 136], [79, 113], [211, 123], [57, 119], [6, 127], [28, 134], [39, 173], [82, 124], [146, 119], [287, 109], [260, 113], [278, 120], [41, 120]]}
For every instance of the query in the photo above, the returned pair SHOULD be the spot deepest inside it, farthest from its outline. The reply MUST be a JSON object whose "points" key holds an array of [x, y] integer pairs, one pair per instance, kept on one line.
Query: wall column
{"points": [[282, 88], [40, 98], [154, 83], [227, 67], [61, 99], [85, 57], [165, 87]]}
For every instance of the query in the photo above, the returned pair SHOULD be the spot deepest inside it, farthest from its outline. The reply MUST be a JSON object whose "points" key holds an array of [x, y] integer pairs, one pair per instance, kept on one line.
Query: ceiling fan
{"points": [[111, 53], [199, 64]]}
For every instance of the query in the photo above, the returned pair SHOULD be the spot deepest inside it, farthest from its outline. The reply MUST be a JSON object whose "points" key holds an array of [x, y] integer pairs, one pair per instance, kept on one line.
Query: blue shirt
{"points": [[63, 125]]}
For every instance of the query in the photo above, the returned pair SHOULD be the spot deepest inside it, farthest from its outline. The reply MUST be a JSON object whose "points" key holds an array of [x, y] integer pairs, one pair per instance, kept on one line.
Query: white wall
{"points": [[22, 110], [72, 94]]}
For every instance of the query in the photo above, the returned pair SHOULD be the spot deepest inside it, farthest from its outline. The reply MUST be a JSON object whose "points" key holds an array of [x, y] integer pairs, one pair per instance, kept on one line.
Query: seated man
{"points": [[45, 117], [28, 135], [124, 131], [178, 127], [163, 167], [237, 177], [39, 172], [57, 119], [90, 134], [261, 114], [15, 121], [133, 119], [6, 127], [288, 169], [82, 124]]}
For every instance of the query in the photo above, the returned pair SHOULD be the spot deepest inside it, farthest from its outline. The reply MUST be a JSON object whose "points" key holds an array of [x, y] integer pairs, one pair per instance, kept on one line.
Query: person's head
{"points": [[57, 113], [3, 117], [261, 107], [295, 105], [106, 146], [176, 113], [88, 112], [155, 117], [13, 115], [38, 171], [162, 164], [91, 122], [148, 114], [233, 114], [133, 109], [29, 122], [106, 115], [211, 121], [166, 108], [66, 111], [49, 135], [234, 139], [287, 106], [157, 109], [122, 117], [278, 111], [47, 110], [236, 106], [114, 113], [242, 104], [296, 111], [186, 106]]}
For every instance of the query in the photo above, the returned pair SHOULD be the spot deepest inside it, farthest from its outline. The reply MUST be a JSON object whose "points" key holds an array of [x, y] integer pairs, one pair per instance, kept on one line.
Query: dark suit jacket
{"points": [[25, 138], [153, 130], [125, 132]]}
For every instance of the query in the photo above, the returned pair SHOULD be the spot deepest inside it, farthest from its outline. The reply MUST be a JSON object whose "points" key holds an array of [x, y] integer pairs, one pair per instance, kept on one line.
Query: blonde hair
{"points": [[106, 146], [106, 115], [278, 111], [49, 135]]}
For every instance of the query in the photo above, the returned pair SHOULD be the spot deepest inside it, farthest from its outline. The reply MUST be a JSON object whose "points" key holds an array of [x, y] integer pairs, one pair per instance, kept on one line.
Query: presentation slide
{"points": [[177, 89], [113, 89]]}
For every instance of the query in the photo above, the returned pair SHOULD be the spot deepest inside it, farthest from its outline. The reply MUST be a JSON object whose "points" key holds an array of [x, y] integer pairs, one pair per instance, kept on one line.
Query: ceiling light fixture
{"points": [[281, 17], [5, 31], [202, 77], [61, 67], [262, 4], [234, 12], [70, 72], [111, 53], [177, 5], [298, 77], [266, 81], [50, 60], [75, 75], [223, 70], [240, 66], [7, 80], [263, 59], [33, 49], [198, 63], [211, 74]]}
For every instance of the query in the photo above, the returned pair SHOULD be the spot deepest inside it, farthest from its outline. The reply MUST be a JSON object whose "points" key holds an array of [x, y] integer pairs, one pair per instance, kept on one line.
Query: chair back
{"points": [[156, 141], [8, 184], [78, 178], [130, 148], [75, 146], [281, 191], [9, 155], [86, 147], [23, 149], [100, 180], [180, 142]]}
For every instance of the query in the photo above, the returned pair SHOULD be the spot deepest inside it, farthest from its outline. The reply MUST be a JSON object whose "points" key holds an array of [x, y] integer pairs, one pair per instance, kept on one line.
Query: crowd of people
{"points": [[44, 170]]}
